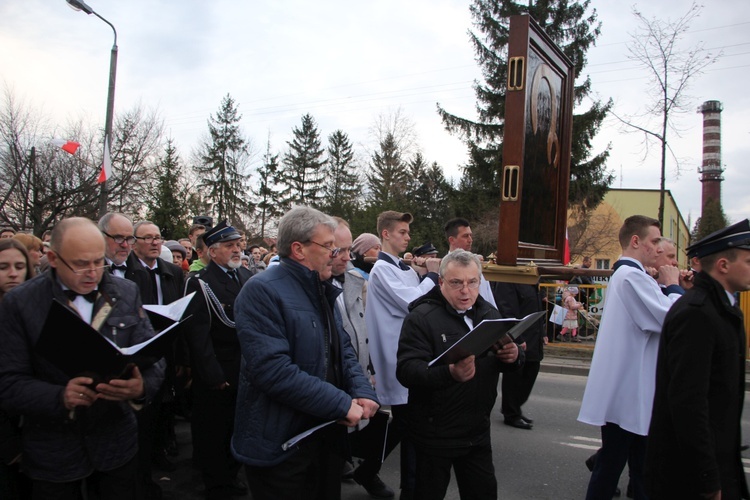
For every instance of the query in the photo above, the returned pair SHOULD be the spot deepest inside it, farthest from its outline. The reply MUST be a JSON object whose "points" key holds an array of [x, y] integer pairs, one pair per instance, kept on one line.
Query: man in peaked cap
{"points": [[694, 440], [215, 359]]}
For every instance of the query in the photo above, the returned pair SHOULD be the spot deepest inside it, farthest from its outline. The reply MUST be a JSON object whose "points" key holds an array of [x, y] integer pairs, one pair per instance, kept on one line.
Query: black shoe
{"points": [[591, 462], [518, 423], [375, 487], [526, 419]]}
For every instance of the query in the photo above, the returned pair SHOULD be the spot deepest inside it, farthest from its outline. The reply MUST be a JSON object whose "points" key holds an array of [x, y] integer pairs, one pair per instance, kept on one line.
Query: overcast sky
{"points": [[346, 62]]}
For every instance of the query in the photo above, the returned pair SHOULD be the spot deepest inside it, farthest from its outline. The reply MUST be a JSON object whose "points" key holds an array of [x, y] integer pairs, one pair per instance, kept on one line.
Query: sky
{"points": [[346, 63]]}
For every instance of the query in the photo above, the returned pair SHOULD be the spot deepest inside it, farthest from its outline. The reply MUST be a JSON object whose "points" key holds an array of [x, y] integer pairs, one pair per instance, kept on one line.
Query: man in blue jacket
{"points": [[298, 368]]}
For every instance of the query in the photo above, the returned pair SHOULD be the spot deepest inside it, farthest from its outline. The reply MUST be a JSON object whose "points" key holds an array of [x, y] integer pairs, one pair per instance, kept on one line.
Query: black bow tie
{"points": [[114, 267], [470, 313], [340, 278], [91, 296]]}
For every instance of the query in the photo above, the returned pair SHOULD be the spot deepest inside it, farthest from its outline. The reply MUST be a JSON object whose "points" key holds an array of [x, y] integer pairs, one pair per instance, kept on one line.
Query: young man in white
{"points": [[392, 287], [620, 388]]}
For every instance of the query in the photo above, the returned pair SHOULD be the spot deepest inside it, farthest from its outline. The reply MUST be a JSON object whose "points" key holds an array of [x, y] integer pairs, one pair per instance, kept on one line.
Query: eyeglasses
{"points": [[149, 239], [460, 284], [96, 265], [120, 239], [334, 250]]}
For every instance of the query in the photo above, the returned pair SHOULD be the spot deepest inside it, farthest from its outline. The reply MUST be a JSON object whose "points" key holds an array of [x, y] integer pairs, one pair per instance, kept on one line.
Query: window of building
{"points": [[602, 263]]}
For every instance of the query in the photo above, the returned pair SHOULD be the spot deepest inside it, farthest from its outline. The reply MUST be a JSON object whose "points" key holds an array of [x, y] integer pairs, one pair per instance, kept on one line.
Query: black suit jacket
{"points": [[213, 346], [172, 279]]}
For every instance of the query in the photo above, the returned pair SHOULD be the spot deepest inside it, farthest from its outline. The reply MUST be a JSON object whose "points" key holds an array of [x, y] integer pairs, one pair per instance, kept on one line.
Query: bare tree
{"points": [[400, 127], [657, 45], [593, 233]]}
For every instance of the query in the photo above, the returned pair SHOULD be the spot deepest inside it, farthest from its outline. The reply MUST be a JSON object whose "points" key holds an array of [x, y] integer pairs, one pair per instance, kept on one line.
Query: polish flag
{"points": [[67, 146], [566, 253], [106, 172]]}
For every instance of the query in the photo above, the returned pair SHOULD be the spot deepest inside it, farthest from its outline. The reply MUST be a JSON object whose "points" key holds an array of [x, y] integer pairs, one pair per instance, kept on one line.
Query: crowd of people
{"points": [[309, 362]]}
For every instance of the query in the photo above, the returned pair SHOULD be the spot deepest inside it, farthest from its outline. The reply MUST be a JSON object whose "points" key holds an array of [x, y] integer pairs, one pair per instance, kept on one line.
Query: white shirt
{"points": [[390, 290], [621, 383]]}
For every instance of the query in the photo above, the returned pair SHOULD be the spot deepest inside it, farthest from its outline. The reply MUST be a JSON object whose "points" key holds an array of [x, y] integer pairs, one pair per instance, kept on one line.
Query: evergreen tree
{"points": [[167, 200], [266, 206], [224, 162], [712, 219], [302, 176], [342, 185], [387, 180], [570, 26], [430, 205]]}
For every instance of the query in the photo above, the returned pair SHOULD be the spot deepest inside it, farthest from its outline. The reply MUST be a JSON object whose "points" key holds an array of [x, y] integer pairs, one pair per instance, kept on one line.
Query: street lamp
{"points": [[81, 6]]}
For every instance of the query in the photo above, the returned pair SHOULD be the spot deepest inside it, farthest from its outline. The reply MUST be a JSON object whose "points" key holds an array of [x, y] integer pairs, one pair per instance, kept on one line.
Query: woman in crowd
{"points": [[367, 245], [15, 268], [33, 247]]}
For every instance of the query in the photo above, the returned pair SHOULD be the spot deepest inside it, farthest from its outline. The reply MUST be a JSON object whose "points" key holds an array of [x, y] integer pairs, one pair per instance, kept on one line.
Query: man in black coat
{"points": [[215, 360], [693, 449], [515, 300], [159, 282], [72, 428], [448, 412]]}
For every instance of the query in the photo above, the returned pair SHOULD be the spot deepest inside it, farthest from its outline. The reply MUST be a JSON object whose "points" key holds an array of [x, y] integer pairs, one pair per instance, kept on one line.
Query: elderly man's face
{"points": [[120, 228], [668, 257], [148, 243], [460, 285]]}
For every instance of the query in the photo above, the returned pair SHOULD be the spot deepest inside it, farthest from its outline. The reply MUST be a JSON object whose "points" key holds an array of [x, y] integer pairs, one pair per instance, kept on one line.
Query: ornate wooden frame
{"points": [[536, 148]]}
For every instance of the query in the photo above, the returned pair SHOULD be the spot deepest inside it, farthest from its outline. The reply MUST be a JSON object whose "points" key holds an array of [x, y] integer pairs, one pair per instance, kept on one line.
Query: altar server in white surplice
{"points": [[620, 389], [392, 287]]}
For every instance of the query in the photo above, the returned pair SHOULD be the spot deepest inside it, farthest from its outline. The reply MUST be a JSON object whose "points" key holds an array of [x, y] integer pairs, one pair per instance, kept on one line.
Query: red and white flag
{"points": [[106, 172], [566, 254], [67, 146]]}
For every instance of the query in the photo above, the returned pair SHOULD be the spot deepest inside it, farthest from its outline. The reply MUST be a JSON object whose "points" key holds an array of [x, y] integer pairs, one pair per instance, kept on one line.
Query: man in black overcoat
{"points": [[693, 448], [215, 360]]}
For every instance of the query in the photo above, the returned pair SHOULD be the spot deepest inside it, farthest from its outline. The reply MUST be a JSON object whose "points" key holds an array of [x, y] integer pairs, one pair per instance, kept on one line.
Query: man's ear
{"points": [[635, 241], [297, 252], [52, 258]]}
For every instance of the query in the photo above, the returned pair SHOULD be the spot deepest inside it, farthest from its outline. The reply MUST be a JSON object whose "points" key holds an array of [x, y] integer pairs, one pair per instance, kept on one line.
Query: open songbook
{"points": [[162, 317], [485, 335], [77, 349]]}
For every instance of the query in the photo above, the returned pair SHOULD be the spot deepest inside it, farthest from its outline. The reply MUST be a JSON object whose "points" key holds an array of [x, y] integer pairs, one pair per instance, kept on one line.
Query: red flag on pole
{"points": [[566, 255], [106, 171], [67, 146]]}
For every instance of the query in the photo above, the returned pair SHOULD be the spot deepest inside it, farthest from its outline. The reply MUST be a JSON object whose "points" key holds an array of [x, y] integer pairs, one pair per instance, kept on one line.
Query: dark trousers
{"points": [[212, 424], [475, 473], [618, 447], [313, 472], [408, 454], [115, 484], [516, 388]]}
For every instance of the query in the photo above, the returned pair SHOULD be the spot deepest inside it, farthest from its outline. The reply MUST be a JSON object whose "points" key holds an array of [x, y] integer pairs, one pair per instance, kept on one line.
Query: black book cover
{"points": [[72, 345]]}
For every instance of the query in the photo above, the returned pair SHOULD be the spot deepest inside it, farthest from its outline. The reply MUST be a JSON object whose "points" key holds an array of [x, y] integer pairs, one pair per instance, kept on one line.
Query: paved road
{"points": [[544, 463]]}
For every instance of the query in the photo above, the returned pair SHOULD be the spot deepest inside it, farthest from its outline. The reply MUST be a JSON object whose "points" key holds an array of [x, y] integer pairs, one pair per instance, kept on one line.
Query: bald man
{"points": [[75, 430]]}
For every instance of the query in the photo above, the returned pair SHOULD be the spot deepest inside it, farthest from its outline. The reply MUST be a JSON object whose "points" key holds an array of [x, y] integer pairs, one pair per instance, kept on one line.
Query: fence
{"points": [[592, 298]]}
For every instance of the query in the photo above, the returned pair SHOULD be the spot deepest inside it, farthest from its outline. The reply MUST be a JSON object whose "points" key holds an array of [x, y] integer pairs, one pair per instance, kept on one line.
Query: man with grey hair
{"points": [[298, 368], [449, 406], [118, 236]]}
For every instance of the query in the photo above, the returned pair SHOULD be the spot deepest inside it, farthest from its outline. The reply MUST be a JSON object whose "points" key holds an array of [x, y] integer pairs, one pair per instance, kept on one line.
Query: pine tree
{"points": [[302, 176], [224, 162], [387, 179], [430, 204], [712, 219], [570, 26], [343, 185], [167, 200], [266, 206]]}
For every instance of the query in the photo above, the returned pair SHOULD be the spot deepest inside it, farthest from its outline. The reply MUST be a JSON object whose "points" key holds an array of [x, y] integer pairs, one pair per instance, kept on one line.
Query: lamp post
{"points": [[80, 5]]}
